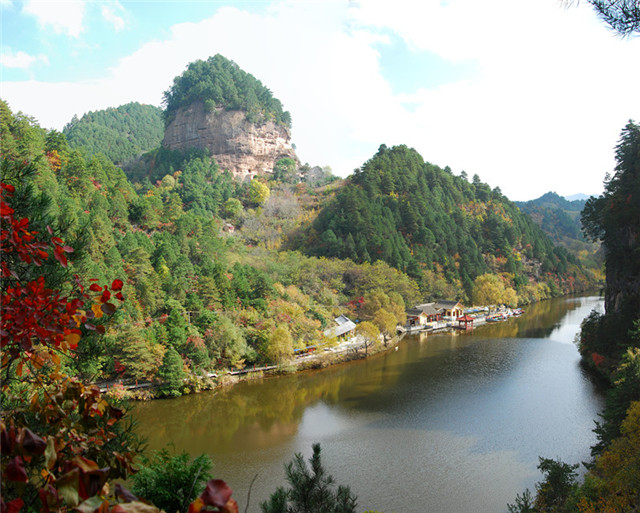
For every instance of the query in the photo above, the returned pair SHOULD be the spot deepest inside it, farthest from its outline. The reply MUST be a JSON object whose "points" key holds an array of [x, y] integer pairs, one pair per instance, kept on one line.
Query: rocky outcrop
{"points": [[622, 295], [245, 149]]}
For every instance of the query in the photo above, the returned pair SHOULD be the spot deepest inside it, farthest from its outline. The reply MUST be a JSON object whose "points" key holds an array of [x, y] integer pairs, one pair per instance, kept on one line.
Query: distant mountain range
{"points": [[559, 218], [579, 196]]}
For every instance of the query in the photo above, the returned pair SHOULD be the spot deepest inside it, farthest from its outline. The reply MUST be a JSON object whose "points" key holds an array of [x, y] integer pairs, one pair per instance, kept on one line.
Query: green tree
{"points": [[623, 16], [311, 490], [171, 482], [284, 171], [232, 209], [120, 133], [558, 484], [523, 504], [613, 218], [219, 82], [626, 390], [171, 373], [226, 342]]}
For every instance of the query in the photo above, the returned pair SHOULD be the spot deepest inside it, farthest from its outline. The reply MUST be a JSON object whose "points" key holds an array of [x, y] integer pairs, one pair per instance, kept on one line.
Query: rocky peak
{"points": [[244, 148]]}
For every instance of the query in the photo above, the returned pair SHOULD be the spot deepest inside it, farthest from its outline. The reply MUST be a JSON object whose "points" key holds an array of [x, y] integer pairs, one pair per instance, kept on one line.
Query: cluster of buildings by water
{"points": [[431, 317], [440, 315]]}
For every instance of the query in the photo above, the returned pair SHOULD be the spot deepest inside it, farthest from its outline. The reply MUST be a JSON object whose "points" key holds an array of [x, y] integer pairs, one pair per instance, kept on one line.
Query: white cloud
{"points": [[113, 13], [548, 104], [543, 112], [64, 17], [20, 60]]}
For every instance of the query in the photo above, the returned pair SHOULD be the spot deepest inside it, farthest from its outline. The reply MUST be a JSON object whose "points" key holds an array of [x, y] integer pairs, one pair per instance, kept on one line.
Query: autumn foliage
{"points": [[62, 441]]}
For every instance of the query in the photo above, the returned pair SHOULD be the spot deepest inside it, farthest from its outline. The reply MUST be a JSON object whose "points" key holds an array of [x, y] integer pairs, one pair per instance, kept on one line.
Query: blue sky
{"points": [[529, 95]]}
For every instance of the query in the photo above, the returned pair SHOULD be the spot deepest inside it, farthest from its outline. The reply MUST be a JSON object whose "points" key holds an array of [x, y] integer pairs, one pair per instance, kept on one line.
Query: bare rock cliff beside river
{"points": [[245, 149]]}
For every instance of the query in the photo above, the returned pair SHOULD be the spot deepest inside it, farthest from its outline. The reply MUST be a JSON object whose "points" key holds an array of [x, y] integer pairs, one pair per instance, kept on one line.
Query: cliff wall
{"points": [[244, 148]]}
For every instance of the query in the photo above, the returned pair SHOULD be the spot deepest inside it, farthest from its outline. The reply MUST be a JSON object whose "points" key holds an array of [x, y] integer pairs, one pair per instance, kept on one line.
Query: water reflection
{"points": [[447, 423]]}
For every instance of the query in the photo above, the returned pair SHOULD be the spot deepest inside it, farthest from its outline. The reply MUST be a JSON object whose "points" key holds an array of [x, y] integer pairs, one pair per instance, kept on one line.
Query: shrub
{"points": [[171, 482]]}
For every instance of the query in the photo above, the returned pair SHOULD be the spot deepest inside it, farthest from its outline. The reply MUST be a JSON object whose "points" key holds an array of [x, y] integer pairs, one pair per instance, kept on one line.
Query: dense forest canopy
{"points": [[614, 219], [219, 82], [120, 133], [197, 299], [559, 218], [423, 220], [553, 216], [199, 294]]}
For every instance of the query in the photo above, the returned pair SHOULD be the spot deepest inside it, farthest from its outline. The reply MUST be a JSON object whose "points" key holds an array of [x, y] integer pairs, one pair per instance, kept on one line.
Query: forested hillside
{"points": [[210, 279], [219, 82], [120, 133], [196, 298], [440, 229], [557, 217], [560, 220]]}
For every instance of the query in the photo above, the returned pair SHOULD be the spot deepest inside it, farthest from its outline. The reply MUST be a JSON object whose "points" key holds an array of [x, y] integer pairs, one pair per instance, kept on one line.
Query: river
{"points": [[447, 423]]}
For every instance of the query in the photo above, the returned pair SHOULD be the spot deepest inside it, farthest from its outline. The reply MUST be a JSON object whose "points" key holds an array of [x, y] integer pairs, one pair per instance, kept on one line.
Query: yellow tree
{"points": [[386, 322], [615, 476], [489, 289], [370, 333], [258, 192], [279, 346]]}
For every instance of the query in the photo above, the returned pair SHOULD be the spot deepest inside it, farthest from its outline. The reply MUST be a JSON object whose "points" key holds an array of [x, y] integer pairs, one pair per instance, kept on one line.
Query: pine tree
{"points": [[311, 490], [171, 373]]}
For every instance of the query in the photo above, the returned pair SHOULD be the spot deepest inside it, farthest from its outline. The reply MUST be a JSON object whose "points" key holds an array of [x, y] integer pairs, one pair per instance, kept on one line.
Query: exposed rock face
{"points": [[622, 295], [244, 148]]}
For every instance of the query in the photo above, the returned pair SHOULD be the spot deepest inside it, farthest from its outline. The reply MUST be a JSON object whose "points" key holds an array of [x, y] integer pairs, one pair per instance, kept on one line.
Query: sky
{"points": [[530, 95]]}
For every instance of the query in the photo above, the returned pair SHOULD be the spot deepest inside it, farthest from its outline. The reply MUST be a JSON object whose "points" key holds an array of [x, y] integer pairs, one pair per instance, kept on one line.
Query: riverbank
{"points": [[353, 349], [145, 391]]}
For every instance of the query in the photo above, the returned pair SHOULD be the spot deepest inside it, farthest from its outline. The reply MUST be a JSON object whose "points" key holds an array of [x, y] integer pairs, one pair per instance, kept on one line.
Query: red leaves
{"points": [[118, 367], [15, 471], [31, 442], [83, 422], [5, 210], [12, 506], [217, 495], [597, 359], [32, 313], [35, 313], [59, 253], [38, 322]]}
